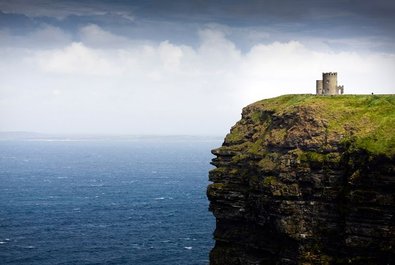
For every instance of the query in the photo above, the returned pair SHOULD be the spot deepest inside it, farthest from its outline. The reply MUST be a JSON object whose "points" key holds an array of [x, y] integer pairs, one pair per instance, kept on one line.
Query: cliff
{"points": [[305, 179]]}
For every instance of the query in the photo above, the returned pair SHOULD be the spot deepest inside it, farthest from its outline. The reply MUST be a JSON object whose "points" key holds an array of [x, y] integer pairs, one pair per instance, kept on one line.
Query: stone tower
{"points": [[329, 81], [328, 85]]}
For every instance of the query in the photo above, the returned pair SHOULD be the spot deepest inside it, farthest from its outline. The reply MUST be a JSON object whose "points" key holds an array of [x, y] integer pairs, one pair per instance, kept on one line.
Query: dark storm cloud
{"points": [[175, 19], [256, 10]]}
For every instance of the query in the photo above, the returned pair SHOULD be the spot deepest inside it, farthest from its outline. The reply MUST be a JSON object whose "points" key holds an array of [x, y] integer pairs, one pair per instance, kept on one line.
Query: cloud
{"points": [[76, 59], [45, 36], [93, 33], [94, 36], [166, 88]]}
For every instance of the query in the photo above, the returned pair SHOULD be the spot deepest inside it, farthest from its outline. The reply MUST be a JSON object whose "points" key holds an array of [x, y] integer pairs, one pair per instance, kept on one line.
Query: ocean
{"points": [[140, 201]]}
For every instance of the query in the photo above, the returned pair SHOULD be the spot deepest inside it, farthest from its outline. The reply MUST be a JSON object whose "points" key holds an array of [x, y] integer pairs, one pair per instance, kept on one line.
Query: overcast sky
{"points": [[178, 66]]}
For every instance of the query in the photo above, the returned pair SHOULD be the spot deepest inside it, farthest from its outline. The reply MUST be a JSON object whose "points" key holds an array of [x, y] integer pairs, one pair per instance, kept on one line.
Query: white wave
{"points": [[189, 248], [28, 247], [96, 185]]}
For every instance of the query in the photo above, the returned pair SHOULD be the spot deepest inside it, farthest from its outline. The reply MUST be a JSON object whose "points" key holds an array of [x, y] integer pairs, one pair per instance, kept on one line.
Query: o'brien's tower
{"points": [[328, 85]]}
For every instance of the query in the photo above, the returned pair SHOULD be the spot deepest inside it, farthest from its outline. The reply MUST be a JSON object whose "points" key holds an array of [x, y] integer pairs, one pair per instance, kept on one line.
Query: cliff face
{"points": [[304, 179]]}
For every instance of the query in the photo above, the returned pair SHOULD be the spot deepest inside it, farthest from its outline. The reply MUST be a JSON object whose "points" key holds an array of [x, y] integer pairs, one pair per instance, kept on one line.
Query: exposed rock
{"points": [[306, 180]]}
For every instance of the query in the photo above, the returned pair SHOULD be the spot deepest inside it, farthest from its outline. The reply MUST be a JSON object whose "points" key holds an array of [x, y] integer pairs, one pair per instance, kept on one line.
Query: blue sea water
{"points": [[105, 202]]}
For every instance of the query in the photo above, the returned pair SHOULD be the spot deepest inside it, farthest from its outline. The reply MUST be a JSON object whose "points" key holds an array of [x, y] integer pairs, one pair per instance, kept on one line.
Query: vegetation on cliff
{"points": [[362, 121]]}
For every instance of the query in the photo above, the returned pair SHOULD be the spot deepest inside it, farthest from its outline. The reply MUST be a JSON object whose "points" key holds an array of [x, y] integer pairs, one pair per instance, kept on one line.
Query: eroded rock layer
{"points": [[306, 180]]}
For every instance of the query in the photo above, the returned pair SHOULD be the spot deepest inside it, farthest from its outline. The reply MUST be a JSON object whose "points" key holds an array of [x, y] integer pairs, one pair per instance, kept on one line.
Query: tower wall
{"points": [[329, 83], [319, 87]]}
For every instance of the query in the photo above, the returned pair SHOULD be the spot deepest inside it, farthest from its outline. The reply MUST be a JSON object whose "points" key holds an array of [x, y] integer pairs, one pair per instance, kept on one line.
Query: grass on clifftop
{"points": [[368, 120]]}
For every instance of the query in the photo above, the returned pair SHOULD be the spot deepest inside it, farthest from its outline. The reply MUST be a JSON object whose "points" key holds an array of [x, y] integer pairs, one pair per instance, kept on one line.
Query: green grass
{"points": [[367, 121]]}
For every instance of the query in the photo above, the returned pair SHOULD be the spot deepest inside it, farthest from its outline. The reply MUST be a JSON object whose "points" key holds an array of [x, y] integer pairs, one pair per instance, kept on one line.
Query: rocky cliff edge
{"points": [[305, 179]]}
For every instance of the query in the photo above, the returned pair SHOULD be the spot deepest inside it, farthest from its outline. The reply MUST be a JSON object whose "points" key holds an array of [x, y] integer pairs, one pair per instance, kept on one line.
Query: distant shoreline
{"points": [[52, 137]]}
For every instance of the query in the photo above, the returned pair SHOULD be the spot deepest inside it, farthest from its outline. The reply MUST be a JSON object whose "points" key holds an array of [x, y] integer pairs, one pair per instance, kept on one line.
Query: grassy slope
{"points": [[370, 117]]}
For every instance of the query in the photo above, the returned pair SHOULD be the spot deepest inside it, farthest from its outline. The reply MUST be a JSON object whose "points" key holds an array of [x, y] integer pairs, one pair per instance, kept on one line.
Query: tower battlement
{"points": [[328, 85], [330, 73]]}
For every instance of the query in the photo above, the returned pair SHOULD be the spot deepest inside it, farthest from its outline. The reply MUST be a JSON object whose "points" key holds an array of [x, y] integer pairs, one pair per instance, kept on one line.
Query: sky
{"points": [[179, 67]]}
